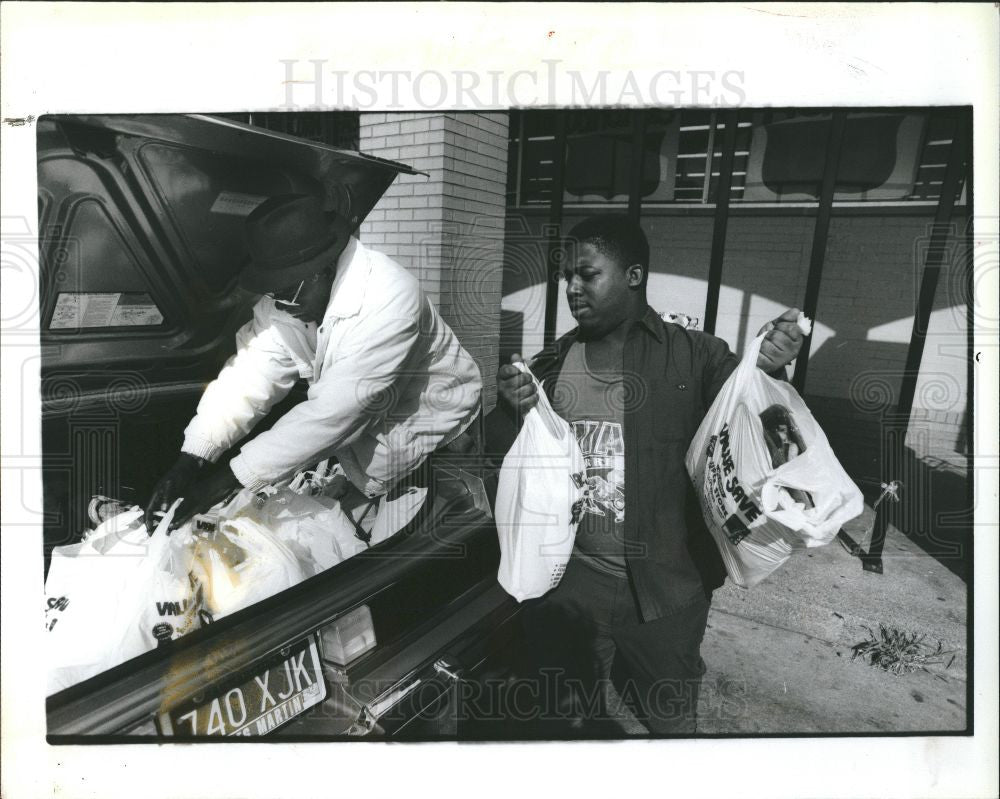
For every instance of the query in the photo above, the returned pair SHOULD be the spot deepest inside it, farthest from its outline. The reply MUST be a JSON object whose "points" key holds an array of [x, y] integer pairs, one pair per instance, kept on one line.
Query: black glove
{"points": [[172, 485], [208, 491]]}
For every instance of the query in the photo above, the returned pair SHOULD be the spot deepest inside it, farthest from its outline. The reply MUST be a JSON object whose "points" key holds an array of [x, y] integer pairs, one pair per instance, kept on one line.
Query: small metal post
{"points": [[871, 561]]}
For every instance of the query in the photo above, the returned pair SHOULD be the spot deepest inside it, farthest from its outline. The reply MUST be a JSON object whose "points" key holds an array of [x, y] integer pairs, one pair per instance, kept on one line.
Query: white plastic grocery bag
{"points": [[242, 563], [765, 474], [115, 595], [315, 528], [82, 591], [539, 502], [162, 600]]}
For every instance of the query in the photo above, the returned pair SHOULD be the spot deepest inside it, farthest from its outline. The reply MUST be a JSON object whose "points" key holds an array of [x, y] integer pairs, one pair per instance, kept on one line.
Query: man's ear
{"points": [[634, 275]]}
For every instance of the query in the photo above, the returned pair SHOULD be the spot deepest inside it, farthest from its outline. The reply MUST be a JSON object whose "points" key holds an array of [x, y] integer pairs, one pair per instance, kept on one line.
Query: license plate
{"points": [[273, 696]]}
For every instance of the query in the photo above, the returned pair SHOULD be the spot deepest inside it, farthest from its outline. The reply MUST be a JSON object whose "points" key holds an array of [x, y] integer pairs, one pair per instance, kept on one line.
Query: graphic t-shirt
{"points": [[593, 404]]}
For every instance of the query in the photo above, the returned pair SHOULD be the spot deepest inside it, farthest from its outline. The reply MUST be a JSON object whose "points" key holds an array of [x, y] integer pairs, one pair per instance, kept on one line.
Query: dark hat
{"points": [[290, 238]]}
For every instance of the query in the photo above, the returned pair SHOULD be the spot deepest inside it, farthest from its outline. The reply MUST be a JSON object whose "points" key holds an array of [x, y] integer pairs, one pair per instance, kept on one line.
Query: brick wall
{"points": [[867, 298], [862, 331], [447, 227]]}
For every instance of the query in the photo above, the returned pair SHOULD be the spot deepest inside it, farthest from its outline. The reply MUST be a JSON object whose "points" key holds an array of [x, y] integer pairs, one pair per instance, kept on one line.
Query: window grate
{"points": [[681, 152]]}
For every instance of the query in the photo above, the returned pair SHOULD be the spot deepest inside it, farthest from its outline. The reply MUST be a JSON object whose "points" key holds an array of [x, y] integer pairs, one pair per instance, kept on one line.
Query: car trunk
{"points": [[140, 222], [141, 241]]}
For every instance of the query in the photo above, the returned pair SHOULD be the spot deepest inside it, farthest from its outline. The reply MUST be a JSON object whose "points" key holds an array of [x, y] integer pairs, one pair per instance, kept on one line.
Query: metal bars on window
{"points": [[721, 224], [834, 144], [712, 190], [555, 230]]}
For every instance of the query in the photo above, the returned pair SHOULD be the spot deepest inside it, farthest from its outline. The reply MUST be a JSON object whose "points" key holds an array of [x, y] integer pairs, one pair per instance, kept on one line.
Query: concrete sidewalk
{"points": [[779, 654]]}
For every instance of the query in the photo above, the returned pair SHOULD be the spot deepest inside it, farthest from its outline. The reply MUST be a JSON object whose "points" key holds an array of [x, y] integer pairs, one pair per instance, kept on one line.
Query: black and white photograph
{"points": [[648, 410], [306, 326]]}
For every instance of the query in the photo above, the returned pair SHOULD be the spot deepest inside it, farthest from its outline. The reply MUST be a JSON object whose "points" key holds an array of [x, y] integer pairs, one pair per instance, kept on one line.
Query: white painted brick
{"points": [[426, 163], [397, 140], [398, 238], [415, 125], [385, 129], [416, 226], [410, 151]]}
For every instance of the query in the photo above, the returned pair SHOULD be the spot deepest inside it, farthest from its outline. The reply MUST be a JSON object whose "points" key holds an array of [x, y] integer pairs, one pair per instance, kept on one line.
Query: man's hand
{"points": [[209, 491], [515, 387], [172, 485], [782, 343]]}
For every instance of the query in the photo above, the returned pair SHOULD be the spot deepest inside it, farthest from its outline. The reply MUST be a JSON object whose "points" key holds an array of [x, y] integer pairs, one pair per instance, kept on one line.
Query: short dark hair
{"points": [[616, 237]]}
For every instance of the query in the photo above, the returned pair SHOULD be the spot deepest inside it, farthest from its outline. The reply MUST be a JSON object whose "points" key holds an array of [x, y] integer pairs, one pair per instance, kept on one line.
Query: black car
{"points": [[140, 221]]}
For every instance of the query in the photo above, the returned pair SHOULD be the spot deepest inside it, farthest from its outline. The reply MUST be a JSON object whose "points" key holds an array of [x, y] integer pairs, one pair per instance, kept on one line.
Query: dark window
{"points": [[778, 158]]}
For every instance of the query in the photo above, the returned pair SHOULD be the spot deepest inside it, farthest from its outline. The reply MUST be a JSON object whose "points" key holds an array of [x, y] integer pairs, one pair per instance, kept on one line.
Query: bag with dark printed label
{"points": [[118, 593], [539, 502], [765, 474], [162, 600]]}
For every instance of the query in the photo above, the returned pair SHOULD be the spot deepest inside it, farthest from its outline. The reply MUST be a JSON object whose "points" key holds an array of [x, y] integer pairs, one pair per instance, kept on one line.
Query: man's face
{"points": [[597, 289], [313, 297]]}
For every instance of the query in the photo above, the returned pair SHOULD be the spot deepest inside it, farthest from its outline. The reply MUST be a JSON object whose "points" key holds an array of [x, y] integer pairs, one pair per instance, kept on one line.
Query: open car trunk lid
{"points": [[159, 202], [141, 242]]}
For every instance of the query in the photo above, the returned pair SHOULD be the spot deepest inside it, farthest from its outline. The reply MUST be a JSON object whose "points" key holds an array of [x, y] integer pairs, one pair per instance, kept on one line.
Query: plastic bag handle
{"points": [[749, 360], [549, 417], [159, 540]]}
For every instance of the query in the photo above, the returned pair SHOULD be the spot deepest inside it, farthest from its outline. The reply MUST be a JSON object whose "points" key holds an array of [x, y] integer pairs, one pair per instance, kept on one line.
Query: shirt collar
{"points": [[348, 290], [652, 321]]}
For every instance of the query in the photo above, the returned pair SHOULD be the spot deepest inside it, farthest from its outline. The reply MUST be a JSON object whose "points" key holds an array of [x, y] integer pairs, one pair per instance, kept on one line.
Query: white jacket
{"points": [[388, 383]]}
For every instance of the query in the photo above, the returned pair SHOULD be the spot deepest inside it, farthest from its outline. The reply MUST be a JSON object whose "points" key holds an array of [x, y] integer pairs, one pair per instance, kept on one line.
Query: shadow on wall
{"points": [[859, 347], [936, 511]]}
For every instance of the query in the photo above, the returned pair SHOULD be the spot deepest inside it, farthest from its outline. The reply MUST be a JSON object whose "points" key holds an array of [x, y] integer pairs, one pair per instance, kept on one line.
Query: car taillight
{"points": [[349, 637]]}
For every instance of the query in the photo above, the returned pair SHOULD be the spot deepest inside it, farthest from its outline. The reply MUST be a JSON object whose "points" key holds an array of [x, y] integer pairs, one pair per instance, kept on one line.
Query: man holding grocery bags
{"points": [[634, 389], [389, 381]]}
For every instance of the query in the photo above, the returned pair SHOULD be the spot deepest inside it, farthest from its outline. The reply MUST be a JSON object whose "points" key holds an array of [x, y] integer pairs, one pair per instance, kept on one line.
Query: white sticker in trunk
{"points": [[104, 309], [234, 203]]}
